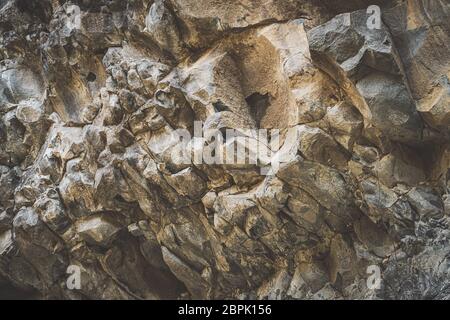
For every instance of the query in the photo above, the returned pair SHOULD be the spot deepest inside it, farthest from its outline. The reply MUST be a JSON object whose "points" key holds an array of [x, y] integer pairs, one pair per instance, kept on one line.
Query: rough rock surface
{"points": [[91, 92]]}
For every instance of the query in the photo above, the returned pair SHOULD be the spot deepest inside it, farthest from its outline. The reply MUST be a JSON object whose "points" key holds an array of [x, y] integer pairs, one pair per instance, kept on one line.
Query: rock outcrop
{"points": [[94, 94]]}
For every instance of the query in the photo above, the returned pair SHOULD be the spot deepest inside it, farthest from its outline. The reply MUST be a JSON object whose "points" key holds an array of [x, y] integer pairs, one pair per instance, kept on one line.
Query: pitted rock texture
{"points": [[91, 92]]}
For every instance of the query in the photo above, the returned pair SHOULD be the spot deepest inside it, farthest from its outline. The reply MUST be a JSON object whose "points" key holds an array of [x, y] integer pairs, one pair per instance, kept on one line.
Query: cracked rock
{"points": [[114, 133]]}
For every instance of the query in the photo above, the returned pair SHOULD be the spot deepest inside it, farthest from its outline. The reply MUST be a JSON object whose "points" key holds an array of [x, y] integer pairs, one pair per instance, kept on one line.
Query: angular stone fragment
{"points": [[206, 21], [434, 107], [276, 288], [194, 282], [347, 52], [378, 197], [187, 183], [325, 184], [309, 277], [374, 237], [36, 255], [426, 203], [346, 124], [161, 24], [341, 261], [98, 230], [317, 145], [391, 106], [397, 168], [94, 176], [305, 210], [420, 30]]}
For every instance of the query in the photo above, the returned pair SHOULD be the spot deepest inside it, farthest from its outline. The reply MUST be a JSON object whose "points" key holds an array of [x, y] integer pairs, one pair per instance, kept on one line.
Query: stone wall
{"points": [[91, 93]]}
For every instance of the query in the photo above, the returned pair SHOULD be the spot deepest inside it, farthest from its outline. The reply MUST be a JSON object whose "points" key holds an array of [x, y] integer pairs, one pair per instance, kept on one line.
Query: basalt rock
{"points": [[95, 180]]}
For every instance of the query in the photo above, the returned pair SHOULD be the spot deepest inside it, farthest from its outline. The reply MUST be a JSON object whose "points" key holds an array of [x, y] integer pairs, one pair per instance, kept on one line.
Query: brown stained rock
{"points": [[193, 281], [6, 241], [374, 237], [325, 184], [345, 123], [341, 261], [91, 175], [206, 22], [425, 62], [98, 230], [276, 288], [317, 145], [367, 66]]}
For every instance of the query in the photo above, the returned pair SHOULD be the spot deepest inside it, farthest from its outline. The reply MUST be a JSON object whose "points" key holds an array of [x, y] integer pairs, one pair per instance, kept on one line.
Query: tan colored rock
{"points": [[206, 21], [317, 145], [399, 168], [275, 289], [324, 183], [193, 280], [341, 261], [98, 230], [374, 237], [6, 241], [93, 174], [434, 107], [346, 124], [380, 96]]}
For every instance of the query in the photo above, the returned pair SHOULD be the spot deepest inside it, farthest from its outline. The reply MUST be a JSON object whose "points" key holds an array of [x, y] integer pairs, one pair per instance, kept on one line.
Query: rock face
{"points": [[93, 92]]}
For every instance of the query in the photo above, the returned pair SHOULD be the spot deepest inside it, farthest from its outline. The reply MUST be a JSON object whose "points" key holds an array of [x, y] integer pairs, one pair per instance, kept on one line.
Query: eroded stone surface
{"points": [[89, 175]]}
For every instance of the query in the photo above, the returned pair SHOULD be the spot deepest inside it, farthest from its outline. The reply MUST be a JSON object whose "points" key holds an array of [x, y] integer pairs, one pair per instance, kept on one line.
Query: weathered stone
{"points": [[446, 199], [30, 112], [98, 230], [354, 171], [309, 277], [346, 124], [206, 21], [317, 145], [434, 107], [425, 62], [377, 197], [426, 203], [325, 184], [341, 261], [347, 52], [275, 289], [374, 237], [6, 241], [400, 167], [187, 183], [196, 285], [160, 23]]}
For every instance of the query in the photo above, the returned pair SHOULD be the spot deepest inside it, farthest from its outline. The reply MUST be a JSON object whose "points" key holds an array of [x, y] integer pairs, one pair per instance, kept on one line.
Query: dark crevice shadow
{"points": [[10, 292]]}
